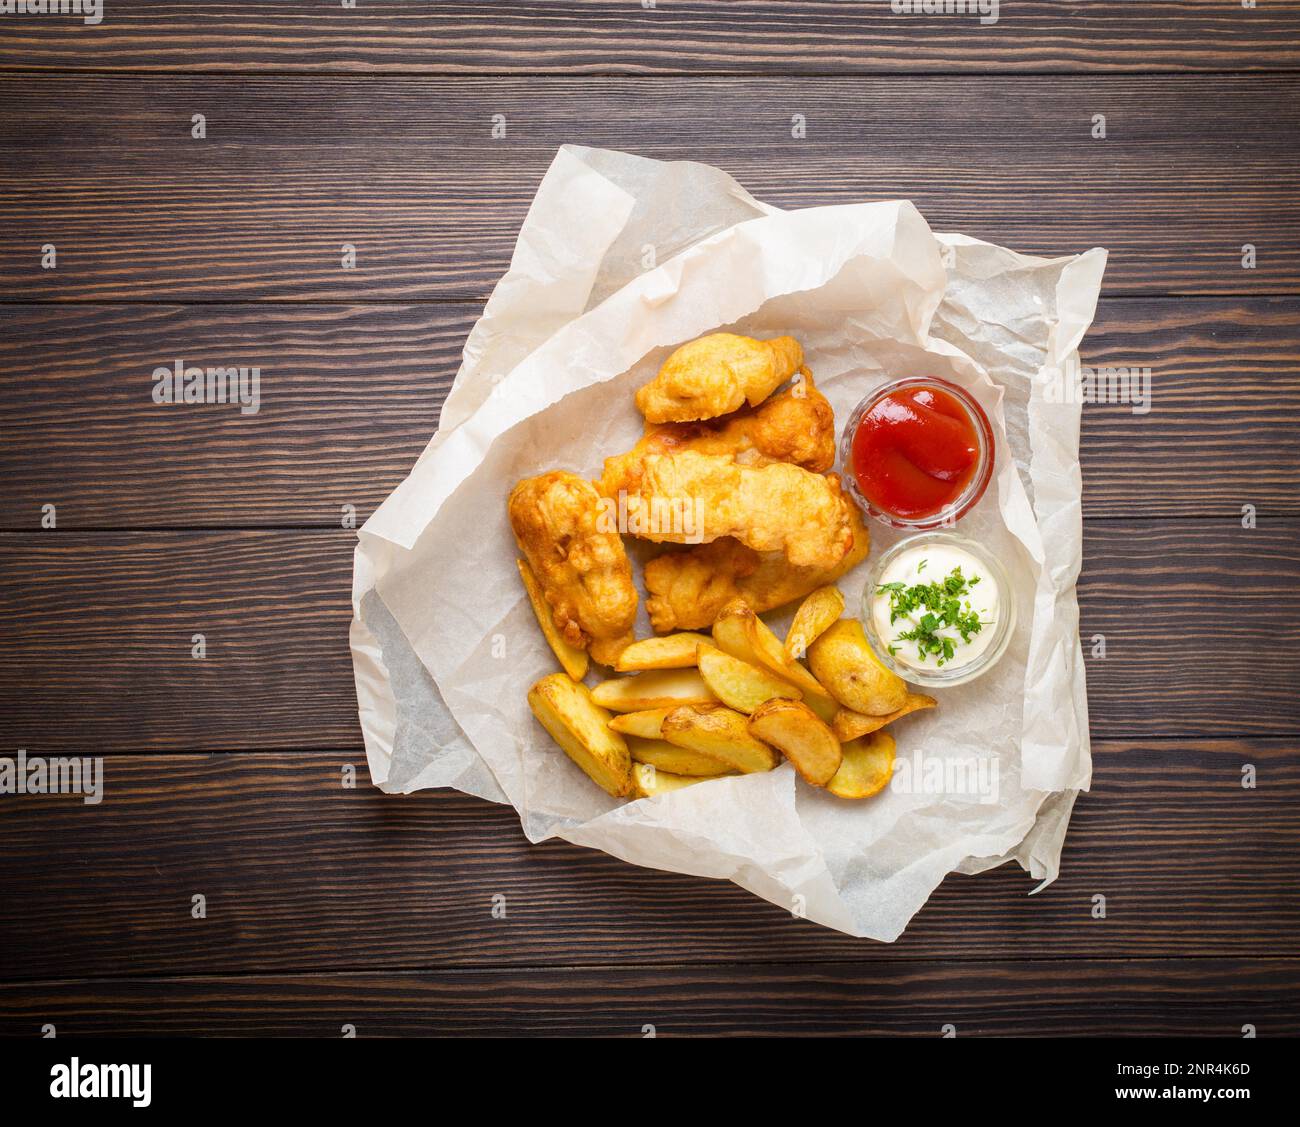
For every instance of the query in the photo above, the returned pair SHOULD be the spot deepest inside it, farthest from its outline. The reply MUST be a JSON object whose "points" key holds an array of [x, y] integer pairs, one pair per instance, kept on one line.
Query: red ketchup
{"points": [[915, 452]]}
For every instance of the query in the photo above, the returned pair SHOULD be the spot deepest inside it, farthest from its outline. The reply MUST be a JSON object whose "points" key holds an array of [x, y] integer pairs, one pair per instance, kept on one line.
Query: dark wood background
{"points": [[372, 126]]}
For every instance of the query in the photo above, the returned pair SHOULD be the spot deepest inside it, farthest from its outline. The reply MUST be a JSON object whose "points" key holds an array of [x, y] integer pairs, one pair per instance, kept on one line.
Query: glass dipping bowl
{"points": [[960, 505], [947, 676]]}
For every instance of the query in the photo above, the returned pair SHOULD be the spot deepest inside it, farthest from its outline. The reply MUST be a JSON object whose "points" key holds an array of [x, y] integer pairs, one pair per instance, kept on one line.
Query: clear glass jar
{"points": [[959, 505], [952, 673]]}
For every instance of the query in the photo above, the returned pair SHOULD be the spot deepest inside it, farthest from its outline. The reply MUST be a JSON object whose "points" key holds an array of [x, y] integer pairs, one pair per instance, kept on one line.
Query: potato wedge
{"points": [[850, 725], [801, 736], [565, 709], [737, 683], [731, 632], [648, 781], [842, 659], [644, 724], [740, 633], [570, 657], [815, 614], [675, 760], [671, 651], [867, 768], [659, 688], [720, 732], [773, 656]]}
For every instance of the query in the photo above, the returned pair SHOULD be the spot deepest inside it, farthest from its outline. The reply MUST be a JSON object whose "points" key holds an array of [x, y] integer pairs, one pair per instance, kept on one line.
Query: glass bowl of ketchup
{"points": [[918, 453]]}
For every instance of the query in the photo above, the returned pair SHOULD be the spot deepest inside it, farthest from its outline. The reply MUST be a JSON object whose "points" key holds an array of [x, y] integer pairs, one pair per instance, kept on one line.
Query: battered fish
{"points": [[691, 498], [559, 522], [687, 590], [716, 375], [797, 426]]}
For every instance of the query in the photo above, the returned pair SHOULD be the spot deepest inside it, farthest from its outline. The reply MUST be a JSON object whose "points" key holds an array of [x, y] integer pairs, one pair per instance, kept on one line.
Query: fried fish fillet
{"points": [[716, 375], [797, 426], [692, 498], [687, 590], [559, 522]]}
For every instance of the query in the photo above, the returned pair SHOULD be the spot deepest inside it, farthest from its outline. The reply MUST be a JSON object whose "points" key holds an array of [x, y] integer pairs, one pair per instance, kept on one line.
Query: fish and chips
{"points": [[714, 692]]}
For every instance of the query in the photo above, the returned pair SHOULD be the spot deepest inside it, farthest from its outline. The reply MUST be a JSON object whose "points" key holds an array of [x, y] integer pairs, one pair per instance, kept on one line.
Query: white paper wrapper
{"points": [[444, 642]]}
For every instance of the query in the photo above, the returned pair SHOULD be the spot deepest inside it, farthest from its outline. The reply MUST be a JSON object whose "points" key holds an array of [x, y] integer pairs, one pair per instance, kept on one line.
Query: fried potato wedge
{"points": [[675, 760], [648, 781], [660, 688], [823, 607], [737, 683], [842, 659], [720, 732], [801, 736], [731, 632], [669, 651], [570, 657], [867, 768], [739, 632], [645, 725], [581, 727], [772, 655], [850, 725]]}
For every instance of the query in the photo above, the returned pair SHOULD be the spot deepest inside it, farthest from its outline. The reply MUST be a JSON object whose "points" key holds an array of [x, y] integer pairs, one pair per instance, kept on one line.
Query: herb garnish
{"points": [[942, 604]]}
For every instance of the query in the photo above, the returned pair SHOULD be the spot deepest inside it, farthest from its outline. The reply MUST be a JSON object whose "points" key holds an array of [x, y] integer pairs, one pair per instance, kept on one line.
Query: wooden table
{"points": [[373, 126]]}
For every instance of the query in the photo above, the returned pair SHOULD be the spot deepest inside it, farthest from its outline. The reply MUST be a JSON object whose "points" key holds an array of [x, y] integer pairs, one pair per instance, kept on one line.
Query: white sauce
{"points": [[933, 563]]}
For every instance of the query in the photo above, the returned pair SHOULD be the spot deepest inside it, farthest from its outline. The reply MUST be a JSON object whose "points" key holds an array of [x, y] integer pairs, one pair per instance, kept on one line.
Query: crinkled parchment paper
{"points": [[620, 260]]}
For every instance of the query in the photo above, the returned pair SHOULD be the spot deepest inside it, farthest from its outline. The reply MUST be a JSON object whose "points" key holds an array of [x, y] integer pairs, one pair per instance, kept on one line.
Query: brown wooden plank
{"points": [[1225, 378], [406, 169], [96, 650], [1190, 611], [1187, 997], [622, 36], [301, 873], [351, 394]]}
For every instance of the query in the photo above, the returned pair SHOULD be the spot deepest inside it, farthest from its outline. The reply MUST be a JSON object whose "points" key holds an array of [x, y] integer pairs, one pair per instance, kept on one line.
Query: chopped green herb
{"points": [[941, 605]]}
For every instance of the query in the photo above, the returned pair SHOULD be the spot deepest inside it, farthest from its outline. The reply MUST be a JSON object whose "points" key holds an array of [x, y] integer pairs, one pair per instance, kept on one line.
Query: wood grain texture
{"points": [[350, 395], [1190, 997], [675, 36], [96, 650], [371, 127], [99, 653], [301, 873], [406, 170], [1221, 432]]}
